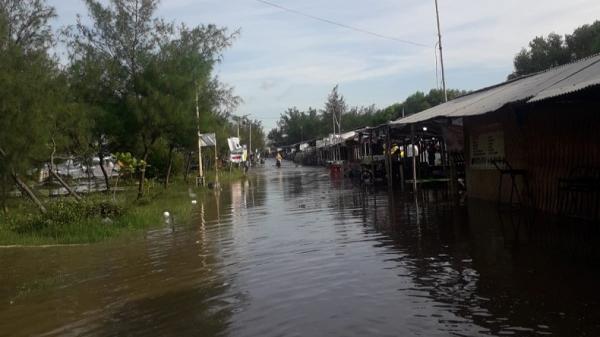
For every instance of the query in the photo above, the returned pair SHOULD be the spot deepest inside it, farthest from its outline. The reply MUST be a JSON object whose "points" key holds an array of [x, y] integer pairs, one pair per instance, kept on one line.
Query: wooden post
{"points": [[388, 158], [371, 151], [216, 164], [453, 176], [414, 157]]}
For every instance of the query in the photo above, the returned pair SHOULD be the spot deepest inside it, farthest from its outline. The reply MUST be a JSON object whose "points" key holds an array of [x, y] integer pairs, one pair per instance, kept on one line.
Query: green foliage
{"points": [[31, 88], [127, 162], [65, 212], [300, 126], [147, 79], [554, 50], [70, 223]]}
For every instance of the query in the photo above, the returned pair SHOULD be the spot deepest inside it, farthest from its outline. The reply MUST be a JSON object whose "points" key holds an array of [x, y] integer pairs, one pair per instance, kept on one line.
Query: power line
{"points": [[360, 30]]}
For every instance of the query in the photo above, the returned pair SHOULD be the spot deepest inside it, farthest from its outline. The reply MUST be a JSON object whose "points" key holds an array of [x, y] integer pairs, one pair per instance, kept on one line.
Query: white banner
{"points": [[234, 145]]}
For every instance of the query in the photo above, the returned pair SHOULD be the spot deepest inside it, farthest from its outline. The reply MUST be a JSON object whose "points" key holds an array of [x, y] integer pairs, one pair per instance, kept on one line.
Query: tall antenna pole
{"points": [[437, 13]]}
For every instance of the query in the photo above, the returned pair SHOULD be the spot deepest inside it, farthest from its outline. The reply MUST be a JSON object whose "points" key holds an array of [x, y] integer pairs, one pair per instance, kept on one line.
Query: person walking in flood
{"points": [[278, 158]]}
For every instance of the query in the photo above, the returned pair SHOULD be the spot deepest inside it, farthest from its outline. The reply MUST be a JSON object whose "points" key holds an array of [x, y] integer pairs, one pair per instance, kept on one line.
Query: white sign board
{"points": [[207, 139], [234, 144], [487, 146]]}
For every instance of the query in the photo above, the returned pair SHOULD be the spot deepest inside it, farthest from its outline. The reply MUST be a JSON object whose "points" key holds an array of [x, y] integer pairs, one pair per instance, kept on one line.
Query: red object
{"points": [[335, 169]]}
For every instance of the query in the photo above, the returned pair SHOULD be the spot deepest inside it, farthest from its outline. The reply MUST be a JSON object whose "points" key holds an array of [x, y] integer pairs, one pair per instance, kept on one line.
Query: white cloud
{"points": [[283, 59]]}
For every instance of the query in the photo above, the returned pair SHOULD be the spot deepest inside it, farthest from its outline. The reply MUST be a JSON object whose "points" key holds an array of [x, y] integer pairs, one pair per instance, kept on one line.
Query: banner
{"points": [[234, 145]]}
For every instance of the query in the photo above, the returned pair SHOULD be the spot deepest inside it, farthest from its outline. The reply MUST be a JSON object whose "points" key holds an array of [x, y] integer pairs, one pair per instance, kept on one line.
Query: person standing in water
{"points": [[278, 158]]}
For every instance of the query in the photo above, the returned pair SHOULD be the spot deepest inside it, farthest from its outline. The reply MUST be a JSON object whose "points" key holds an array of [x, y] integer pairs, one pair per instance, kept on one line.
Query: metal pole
{"points": [[437, 13]]}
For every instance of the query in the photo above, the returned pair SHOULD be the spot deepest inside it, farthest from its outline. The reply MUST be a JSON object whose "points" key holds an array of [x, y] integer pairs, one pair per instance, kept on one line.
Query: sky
{"points": [[283, 60]]}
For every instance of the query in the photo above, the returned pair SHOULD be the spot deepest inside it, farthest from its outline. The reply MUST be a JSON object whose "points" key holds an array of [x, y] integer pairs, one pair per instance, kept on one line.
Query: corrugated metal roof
{"points": [[584, 78], [551, 83]]}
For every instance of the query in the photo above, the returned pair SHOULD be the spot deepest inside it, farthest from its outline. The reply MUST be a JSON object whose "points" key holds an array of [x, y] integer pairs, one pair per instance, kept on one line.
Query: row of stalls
{"points": [[532, 141], [381, 155]]}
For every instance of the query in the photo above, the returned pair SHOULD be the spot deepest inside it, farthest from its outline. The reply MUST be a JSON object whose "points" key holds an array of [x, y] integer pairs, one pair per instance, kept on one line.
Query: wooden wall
{"points": [[563, 137], [547, 139]]}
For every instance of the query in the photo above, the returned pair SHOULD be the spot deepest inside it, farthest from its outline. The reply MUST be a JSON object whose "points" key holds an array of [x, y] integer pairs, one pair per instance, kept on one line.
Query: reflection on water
{"points": [[295, 252]]}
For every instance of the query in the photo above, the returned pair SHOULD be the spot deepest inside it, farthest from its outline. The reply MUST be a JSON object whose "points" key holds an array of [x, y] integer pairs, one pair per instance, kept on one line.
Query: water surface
{"points": [[295, 252]]}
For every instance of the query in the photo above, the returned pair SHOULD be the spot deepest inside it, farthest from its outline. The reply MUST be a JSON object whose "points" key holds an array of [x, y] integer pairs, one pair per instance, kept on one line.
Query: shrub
{"points": [[65, 212]]}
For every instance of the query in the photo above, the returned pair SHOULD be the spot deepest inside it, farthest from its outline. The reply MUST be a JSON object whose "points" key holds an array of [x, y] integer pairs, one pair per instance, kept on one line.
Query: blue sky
{"points": [[283, 60]]}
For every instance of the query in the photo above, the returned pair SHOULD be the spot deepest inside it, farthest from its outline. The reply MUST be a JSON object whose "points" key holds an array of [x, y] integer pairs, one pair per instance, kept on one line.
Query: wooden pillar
{"points": [[371, 151], [402, 163], [414, 157], [388, 158]]}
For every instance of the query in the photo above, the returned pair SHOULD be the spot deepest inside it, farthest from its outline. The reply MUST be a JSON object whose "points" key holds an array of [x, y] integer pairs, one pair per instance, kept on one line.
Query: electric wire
{"points": [[360, 30]]}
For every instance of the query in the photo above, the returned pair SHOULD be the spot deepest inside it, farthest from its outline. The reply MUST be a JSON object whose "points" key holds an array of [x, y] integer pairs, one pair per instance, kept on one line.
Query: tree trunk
{"points": [[65, 185], [169, 166], [29, 192], [24, 186], [54, 175], [4, 195], [115, 189], [101, 157], [143, 174]]}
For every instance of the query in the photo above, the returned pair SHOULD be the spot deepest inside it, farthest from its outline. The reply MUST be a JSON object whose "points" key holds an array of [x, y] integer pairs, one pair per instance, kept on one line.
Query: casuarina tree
{"points": [[149, 70]]}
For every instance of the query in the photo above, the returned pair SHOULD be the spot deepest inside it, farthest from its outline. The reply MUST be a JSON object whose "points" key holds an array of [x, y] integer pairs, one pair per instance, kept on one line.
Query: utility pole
{"points": [[250, 136], [437, 13], [200, 172], [333, 119]]}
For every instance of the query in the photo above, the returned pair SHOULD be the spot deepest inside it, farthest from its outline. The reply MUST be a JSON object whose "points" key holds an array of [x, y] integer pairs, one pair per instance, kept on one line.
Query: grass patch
{"points": [[100, 217]]}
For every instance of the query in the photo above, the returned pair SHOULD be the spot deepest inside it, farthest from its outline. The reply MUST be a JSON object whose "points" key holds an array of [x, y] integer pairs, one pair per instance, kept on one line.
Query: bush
{"points": [[65, 212]]}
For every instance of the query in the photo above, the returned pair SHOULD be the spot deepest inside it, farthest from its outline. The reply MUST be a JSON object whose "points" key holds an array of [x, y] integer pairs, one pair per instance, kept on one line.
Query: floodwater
{"points": [[295, 252]]}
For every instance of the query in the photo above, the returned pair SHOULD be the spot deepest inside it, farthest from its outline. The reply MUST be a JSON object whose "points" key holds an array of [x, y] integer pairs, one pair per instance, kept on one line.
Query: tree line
{"points": [[295, 126], [542, 53], [133, 83], [555, 50]]}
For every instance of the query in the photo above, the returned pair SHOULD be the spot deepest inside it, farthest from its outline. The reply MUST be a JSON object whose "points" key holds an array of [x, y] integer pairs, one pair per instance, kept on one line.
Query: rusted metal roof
{"points": [[554, 82]]}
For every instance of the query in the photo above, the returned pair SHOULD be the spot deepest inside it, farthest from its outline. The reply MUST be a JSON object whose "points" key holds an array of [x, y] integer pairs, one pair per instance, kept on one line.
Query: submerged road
{"points": [[295, 252]]}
